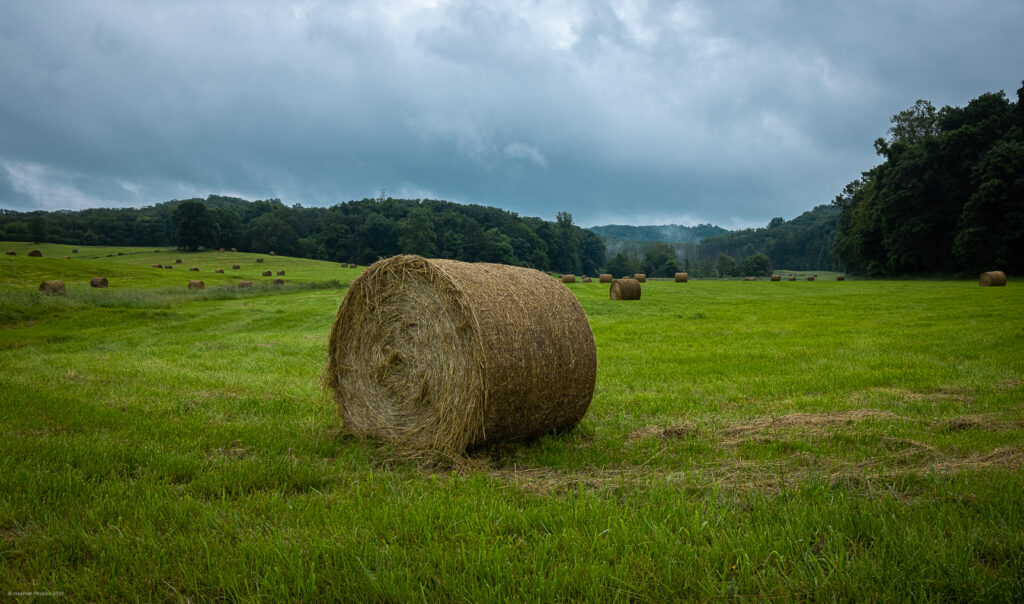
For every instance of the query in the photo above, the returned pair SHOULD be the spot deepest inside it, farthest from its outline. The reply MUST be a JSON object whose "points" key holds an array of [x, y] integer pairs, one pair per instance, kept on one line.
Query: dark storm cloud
{"points": [[621, 111]]}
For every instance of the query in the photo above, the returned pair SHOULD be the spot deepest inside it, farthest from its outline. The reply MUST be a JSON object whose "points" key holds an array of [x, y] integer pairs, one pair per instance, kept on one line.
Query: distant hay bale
{"points": [[279, 281], [267, 273], [98, 282], [66, 257], [568, 278], [604, 278], [54, 287], [447, 355], [272, 253], [177, 261], [280, 273], [245, 284], [992, 279], [682, 277], [750, 278], [811, 277], [194, 268], [35, 254], [776, 277], [259, 260], [193, 284], [168, 266], [641, 277], [74, 250], [12, 253], [624, 289], [840, 277], [234, 249], [235, 266], [586, 280], [222, 249], [219, 270], [792, 277]]}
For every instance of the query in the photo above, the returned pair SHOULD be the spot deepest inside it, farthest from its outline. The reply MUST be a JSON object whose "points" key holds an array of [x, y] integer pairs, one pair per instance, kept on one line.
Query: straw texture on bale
{"points": [[776, 277], [641, 277], [682, 277], [98, 282], [604, 278], [245, 284], [445, 355], [280, 273], [35, 254], [267, 273], [992, 279], [193, 284], [278, 281], [12, 253], [56, 286], [624, 289], [568, 278]]}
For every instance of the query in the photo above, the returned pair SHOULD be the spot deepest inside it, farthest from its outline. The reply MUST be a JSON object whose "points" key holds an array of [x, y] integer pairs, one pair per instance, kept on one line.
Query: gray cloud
{"points": [[619, 111]]}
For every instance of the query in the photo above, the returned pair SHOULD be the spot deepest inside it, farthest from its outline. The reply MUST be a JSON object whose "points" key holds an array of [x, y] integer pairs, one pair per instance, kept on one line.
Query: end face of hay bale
{"points": [[640, 277], [682, 277], [624, 289], [244, 284], [35, 254], [776, 277], [54, 287], [278, 281], [992, 279], [604, 278], [446, 355], [235, 266], [267, 273], [568, 278], [98, 282], [280, 273]]}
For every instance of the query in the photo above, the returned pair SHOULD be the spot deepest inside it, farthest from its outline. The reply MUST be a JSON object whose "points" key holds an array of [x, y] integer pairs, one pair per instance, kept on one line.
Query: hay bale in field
{"points": [[568, 278], [586, 280], [66, 257], [54, 287], [604, 278], [235, 266], [221, 249], [194, 268], [74, 250], [272, 253], [12, 253], [35, 254], [245, 284], [259, 260], [682, 277], [267, 273], [624, 289], [750, 278], [280, 273], [641, 277], [992, 279], [776, 277], [446, 355], [193, 284], [158, 266], [840, 277], [279, 281], [98, 282], [234, 249], [219, 270], [811, 277], [168, 266], [177, 261], [792, 277]]}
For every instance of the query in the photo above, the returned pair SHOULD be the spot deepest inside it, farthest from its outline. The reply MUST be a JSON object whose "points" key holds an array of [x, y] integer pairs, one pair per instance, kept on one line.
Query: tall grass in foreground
{"points": [[858, 440]]}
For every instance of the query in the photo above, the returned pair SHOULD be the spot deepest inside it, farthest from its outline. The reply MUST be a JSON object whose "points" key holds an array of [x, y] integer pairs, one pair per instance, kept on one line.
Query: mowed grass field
{"points": [[790, 440]]}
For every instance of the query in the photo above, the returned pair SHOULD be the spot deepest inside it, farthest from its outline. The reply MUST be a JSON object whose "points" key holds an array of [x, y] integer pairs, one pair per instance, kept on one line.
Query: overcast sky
{"points": [[729, 112]]}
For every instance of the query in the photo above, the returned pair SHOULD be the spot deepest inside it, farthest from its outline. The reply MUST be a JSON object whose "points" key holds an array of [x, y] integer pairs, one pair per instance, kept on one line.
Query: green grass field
{"points": [[792, 440]]}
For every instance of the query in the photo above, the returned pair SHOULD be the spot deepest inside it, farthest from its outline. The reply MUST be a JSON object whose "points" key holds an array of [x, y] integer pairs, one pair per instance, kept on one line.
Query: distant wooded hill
{"points": [[666, 233]]}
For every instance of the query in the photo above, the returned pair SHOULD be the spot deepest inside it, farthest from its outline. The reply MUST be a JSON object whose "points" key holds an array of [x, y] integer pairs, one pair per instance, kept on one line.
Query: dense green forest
{"points": [[948, 197], [665, 233], [356, 231]]}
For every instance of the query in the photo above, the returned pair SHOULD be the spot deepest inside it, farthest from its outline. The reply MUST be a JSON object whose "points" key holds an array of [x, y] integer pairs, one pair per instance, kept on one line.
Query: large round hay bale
{"points": [[235, 266], [158, 266], [279, 281], [234, 249], [776, 277], [12, 253], [267, 273], [177, 261], [259, 260], [222, 249], [624, 289], [280, 273], [840, 277], [273, 253], [55, 287], [219, 270], [168, 266], [682, 277], [641, 277], [811, 277], [245, 284], [568, 278], [98, 282], [992, 279], [444, 354], [604, 278], [193, 284], [74, 250], [35, 254]]}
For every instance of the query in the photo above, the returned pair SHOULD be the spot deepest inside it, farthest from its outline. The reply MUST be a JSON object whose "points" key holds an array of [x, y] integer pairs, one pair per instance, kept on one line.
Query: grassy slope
{"points": [[857, 439]]}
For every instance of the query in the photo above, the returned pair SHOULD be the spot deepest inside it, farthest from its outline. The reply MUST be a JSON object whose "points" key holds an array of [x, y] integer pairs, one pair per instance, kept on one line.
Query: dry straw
{"points": [[568, 278], [776, 277], [193, 284], [624, 289], [55, 286], [641, 277], [682, 277], [992, 279], [98, 282], [604, 278], [446, 355]]}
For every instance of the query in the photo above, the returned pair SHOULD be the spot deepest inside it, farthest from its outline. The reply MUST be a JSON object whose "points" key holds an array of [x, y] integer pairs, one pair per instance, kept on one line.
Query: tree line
{"points": [[356, 231], [948, 197]]}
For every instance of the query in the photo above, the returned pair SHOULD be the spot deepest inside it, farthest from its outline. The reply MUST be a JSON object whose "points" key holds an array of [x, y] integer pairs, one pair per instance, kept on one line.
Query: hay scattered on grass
{"points": [[640, 277], [682, 277], [98, 282], [604, 278], [624, 289], [445, 355], [54, 287], [193, 284], [992, 279], [35, 254]]}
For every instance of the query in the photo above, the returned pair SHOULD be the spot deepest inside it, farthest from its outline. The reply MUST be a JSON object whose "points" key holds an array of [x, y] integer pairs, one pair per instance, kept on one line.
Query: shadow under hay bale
{"points": [[54, 287], [280, 273], [278, 281], [244, 284], [193, 284], [568, 278], [98, 282], [640, 277], [35, 254], [446, 355], [682, 277], [267, 273], [624, 289], [604, 278], [992, 279]]}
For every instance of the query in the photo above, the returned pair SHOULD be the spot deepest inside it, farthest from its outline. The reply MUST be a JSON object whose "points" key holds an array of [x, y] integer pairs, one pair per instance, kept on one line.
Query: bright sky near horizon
{"points": [[623, 112]]}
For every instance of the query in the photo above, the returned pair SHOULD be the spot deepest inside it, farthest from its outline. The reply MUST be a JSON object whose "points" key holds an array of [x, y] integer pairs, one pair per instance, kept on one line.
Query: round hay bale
{"points": [[235, 266], [158, 266], [624, 289], [74, 250], [810, 277], [750, 278], [267, 273], [641, 277], [194, 268], [280, 273], [279, 281], [840, 277], [222, 249], [446, 355], [604, 278], [682, 277], [177, 261], [272, 253], [245, 284], [259, 260], [12, 253], [54, 287], [193, 284], [219, 270], [792, 277], [776, 277], [98, 282], [66, 257], [586, 280], [234, 249], [168, 266], [568, 278], [35, 254], [992, 279]]}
